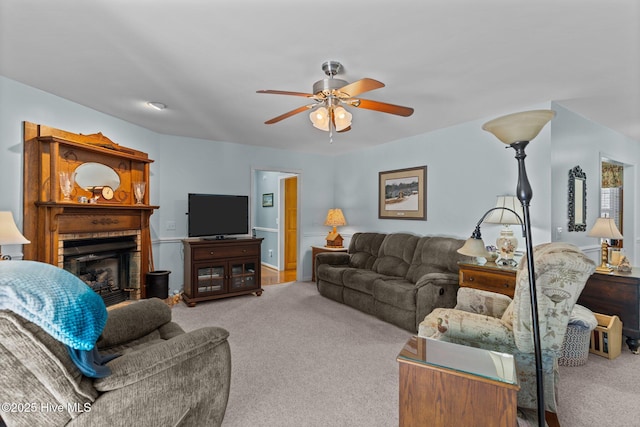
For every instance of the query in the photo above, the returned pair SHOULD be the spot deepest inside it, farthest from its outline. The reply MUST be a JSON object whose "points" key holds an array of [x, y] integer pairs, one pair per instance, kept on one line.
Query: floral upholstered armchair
{"points": [[495, 322]]}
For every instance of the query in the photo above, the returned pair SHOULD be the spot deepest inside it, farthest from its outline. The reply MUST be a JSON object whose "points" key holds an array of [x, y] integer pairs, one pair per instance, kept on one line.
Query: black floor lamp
{"points": [[517, 130]]}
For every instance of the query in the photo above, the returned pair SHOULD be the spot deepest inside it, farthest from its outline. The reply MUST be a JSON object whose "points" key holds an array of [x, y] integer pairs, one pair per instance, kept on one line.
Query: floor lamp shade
{"points": [[473, 247], [523, 126]]}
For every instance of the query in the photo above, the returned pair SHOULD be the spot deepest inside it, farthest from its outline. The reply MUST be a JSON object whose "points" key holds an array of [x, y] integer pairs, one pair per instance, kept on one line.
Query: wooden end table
{"points": [[444, 384], [488, 277], [616, 293]]}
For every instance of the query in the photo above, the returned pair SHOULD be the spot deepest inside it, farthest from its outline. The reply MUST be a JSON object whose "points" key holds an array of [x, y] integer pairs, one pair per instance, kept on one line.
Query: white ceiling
{"points": [[451, 60]]}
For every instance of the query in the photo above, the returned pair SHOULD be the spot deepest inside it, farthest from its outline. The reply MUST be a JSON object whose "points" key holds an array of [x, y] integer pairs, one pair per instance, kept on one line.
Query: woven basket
{"points": [[575, 348]]}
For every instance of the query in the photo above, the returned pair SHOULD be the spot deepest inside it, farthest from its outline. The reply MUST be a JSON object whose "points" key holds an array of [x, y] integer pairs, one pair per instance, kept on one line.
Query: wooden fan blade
{"points": [[284, 92], [383, 107], [289, 114], [361, 86]]}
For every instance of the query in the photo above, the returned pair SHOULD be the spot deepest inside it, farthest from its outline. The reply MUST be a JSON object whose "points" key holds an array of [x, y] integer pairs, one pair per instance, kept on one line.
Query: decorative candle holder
{"points": [[138, 191]]}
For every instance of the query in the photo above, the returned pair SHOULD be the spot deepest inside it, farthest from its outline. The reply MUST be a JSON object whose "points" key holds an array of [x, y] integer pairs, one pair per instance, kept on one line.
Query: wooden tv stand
{"points": [[220, 268]]}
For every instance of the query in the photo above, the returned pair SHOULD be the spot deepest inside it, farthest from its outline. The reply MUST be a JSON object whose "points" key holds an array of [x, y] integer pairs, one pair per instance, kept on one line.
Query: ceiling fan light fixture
{"points": [[331, 95], [342, 118], [320, 118]]}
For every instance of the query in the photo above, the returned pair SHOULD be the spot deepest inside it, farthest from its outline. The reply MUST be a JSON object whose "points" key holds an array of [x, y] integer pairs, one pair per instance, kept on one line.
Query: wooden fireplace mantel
{"points": [[48, 217]]}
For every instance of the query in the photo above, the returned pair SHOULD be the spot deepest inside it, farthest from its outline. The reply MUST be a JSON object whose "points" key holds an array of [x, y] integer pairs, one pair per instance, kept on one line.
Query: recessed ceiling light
{"points": [[157, 105]]}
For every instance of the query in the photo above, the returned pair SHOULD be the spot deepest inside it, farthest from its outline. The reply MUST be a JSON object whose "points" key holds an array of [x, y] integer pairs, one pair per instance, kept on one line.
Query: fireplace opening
{"points": [[104, 264]]}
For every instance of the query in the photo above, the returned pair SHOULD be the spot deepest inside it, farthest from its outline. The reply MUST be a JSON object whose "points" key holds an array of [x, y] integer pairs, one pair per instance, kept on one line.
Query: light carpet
{"points": [[299, 359]]}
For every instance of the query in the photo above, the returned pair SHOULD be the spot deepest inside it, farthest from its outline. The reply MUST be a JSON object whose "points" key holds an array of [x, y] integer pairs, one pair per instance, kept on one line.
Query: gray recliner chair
{"points": [[163, 376]]}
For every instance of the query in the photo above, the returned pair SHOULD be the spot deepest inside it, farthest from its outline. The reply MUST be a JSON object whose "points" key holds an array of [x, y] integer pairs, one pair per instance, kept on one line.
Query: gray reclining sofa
{"points": [[397, 277]]}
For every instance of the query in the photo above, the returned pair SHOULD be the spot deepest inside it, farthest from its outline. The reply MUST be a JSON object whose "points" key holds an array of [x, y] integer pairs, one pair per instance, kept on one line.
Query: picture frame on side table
{"points": [[267, 200], [402, 194]]}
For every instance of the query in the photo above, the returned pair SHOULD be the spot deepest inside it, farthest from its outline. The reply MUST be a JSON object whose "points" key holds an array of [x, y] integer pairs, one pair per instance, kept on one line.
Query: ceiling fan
{"points": [[331, 95]]}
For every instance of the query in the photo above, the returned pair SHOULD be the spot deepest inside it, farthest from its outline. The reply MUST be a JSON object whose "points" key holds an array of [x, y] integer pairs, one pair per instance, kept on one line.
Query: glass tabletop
{"points": [[489, 364]]}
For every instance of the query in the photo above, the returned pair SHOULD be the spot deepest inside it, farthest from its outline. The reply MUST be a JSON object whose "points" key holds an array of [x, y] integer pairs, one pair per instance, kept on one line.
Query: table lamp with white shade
{"points": [[9, 233], [507, 243], [605, 228]]}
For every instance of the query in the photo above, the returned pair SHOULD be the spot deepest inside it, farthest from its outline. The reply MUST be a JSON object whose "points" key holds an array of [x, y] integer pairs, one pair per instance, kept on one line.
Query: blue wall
{"points": [[580, 142], [467, 169], [266, 218]]}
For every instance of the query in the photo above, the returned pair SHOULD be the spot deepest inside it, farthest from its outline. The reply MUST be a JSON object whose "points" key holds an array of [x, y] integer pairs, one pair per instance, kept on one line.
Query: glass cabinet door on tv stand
{"points": [[210, 279], [243, 275], [221, 268]]}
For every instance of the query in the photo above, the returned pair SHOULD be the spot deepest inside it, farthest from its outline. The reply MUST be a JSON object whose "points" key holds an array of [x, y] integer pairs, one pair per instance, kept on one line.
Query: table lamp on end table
{"points": [[605, 228], [335, 217]]}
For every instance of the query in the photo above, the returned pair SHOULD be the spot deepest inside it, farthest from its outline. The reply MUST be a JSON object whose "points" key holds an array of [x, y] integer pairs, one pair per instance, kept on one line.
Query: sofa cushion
{"points": [[395, 255], [363, 249], [361, 280], [395, 292], [435, 255]]}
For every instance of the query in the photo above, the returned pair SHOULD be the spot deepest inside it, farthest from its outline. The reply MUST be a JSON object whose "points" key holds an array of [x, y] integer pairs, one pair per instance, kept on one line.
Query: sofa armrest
{"points": [[482, 302], [170, 330], [332, 258], [184, 381], [434, 290], [471, 328], [133, 321], [139, 365]]}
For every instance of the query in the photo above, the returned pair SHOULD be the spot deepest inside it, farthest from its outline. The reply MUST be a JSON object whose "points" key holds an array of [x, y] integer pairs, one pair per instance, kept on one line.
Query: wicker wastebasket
{"points": [[575, 348]]}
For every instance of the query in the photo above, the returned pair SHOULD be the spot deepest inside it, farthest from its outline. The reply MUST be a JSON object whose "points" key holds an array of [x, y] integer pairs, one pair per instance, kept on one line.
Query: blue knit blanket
{"points": [[58, 302]]}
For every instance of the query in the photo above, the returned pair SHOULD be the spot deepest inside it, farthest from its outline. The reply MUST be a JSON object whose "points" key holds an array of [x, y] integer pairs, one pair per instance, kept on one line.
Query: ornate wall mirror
{"points": [[577, 200], [91, 174]]}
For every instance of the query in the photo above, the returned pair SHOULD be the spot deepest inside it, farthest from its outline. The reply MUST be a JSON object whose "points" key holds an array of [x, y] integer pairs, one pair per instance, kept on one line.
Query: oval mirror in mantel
{"points": [[93, 174]]}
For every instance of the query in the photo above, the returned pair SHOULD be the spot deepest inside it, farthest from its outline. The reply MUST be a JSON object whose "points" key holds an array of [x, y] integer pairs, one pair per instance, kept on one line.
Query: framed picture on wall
{"points": [[267, 200], [402, 194]]}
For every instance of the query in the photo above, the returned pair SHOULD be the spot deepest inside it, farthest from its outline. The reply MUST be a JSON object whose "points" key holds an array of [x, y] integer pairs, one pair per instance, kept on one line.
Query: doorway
{"points": [[275, 218], [612, 195]]}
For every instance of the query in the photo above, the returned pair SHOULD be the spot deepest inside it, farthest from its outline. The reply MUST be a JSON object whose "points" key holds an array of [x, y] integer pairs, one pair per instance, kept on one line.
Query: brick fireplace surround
{"points": [[50, 221]]}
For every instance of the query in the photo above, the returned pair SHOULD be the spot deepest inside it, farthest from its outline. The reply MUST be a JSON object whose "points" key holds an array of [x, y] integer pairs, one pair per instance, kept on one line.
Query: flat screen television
{"points": [[217, 215]]}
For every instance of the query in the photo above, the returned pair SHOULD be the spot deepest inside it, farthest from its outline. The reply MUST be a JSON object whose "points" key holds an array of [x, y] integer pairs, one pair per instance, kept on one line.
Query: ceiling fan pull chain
{"points": [[331, 124]]}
